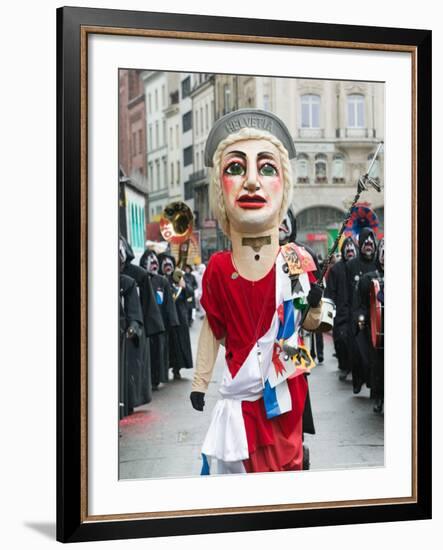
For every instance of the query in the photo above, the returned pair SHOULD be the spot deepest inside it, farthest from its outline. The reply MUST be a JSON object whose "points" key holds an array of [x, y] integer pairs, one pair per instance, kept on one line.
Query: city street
{"points": [[163, 438]]}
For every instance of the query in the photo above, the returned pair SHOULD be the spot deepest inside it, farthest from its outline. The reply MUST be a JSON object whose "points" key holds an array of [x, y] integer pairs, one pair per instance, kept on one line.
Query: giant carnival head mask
{"points": [[251, 183]]}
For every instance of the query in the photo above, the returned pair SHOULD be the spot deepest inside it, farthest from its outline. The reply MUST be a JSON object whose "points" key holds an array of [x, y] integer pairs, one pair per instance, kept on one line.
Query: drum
{"points": [[327, 315], [376, 314]]}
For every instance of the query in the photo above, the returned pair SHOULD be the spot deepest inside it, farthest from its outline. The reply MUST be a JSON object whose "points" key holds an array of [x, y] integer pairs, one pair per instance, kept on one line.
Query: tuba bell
{"points": [[176, 225]]}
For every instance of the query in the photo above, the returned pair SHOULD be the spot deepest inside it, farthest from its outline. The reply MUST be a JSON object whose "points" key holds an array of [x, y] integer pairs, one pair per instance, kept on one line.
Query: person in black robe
{"points": [[337, 291], [131, 348], [152, 319], [376, 355], [160, 342], [180, 353], [288, 233], [358, 336], [191, 283]]}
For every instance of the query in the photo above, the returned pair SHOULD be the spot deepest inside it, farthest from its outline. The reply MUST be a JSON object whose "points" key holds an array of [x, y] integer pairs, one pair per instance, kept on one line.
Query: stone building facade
{"points": [[336, 126]]}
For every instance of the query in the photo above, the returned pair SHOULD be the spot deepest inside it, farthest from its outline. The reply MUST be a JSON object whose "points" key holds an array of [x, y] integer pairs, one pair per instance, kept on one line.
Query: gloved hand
{"points": [[133, 330], [197, 400], [315, 295]]}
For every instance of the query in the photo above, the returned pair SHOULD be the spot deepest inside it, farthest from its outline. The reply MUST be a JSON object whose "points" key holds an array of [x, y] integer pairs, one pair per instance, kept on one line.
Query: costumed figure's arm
{"points": [[207, 351]]}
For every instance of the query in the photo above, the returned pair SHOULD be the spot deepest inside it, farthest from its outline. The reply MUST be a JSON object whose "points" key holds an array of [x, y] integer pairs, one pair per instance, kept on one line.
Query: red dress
{"points": [[241, 311]]}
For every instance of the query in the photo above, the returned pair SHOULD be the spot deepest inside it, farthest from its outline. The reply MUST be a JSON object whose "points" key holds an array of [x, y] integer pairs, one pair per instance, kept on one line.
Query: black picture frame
{"points": [[73, 24]]}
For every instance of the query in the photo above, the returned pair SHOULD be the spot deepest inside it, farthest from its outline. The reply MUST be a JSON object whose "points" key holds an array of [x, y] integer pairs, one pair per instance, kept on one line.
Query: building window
{"points": [[149, 104], [356, 111], [320, 168], [150, 144], [151, 177], [164, 132], [172, 173], [187, 121], [201, 120], [156, 100], [310, 111], [157, 139], [196, 123], [140, 140], [227, 98], [187, 156], [136, 221], [338, 169], [165, 173], [266, 102], [206, 117], [157, 174], [178, 172], [163, 96], [302, 168], [177, 137], [186, 87], [171, 141], [197, 162], [134, 144]]}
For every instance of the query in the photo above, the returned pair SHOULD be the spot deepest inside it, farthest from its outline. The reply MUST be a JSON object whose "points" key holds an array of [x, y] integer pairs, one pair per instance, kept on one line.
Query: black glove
{"points": [[133, 331], [197, 400], [315, 295]]}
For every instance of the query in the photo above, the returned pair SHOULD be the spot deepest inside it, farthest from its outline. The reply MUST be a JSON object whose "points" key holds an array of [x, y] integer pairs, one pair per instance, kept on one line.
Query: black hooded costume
{"points": [[337, 291], [152, 319], [159, 343], [376, 356], [358, 340], [180, 353], [131, 355]]}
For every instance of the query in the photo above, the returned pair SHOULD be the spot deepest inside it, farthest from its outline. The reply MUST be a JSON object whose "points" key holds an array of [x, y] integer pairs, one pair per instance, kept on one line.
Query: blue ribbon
{"points": [[205, 466]]}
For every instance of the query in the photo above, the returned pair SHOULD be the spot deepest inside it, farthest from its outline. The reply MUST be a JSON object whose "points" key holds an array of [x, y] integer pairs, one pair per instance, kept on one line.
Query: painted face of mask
{"points": [[368, 247], [152, 265], [252, 184], [167, 266], [349, 251]]}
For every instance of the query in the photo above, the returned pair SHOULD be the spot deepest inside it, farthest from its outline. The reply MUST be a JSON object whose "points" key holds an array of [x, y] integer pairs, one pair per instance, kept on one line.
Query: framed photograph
{"points": [[144, 100]]}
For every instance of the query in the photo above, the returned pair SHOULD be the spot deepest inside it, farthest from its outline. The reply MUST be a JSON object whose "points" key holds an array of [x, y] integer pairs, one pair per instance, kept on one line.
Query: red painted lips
{"points": [[251, 201]]}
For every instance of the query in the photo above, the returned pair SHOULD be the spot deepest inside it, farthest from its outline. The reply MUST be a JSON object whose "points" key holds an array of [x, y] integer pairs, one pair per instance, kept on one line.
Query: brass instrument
{"points": [[176, 225]]}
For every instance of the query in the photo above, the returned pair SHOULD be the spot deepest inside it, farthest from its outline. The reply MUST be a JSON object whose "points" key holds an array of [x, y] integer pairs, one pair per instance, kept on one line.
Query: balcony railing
{"points": [[311, 133], [356, 133]]}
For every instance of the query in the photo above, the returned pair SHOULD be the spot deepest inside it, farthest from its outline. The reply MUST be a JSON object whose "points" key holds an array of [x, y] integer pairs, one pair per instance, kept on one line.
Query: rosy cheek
{"points": [[228, 183], [276, 184]]}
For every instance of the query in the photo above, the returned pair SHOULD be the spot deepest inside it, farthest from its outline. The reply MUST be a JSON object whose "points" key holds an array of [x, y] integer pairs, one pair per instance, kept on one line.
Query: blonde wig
{"points": [[216, 199]]}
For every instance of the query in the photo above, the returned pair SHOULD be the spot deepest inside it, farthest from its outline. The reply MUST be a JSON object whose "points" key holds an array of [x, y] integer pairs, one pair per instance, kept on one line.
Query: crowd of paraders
{"points": [[159, 303]]}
